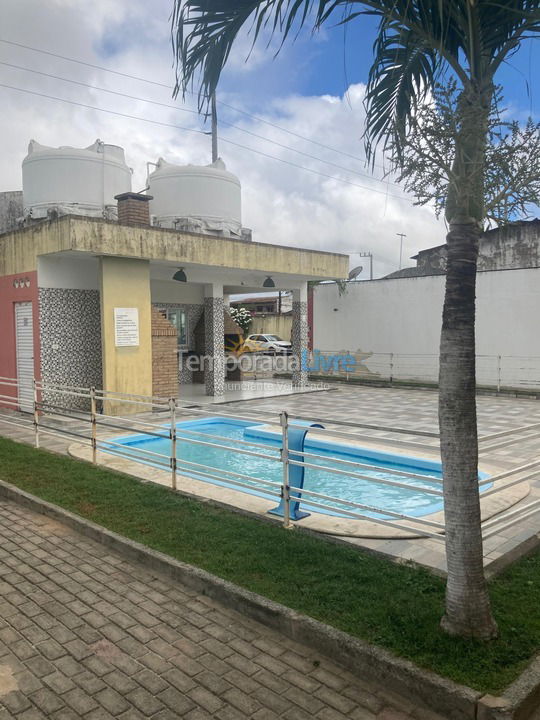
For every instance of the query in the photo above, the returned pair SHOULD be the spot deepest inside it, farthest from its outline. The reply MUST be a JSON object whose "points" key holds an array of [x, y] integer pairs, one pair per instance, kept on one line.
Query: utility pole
{"points": [[214, 129], [400, 235], [362, 255]]}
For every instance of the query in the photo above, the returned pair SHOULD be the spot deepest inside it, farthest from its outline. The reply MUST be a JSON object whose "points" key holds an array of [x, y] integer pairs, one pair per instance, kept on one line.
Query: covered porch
{"points": [[104, 288]]}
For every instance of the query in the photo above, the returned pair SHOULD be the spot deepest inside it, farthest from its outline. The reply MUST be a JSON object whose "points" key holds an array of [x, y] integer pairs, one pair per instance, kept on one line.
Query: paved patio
{"points": [[86, 634], [248, 389]]}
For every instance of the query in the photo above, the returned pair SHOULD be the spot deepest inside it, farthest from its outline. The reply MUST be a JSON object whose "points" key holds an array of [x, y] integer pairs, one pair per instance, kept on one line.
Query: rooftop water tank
{"points": [[79, 181], [197, 198]]}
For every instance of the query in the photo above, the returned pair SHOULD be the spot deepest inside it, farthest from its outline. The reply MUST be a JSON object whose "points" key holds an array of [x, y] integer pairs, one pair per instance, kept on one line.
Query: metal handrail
{"points": [[507, 485], [502, 433], [72, 393], [126, 449], [506, 520], [233, 481], [127, 401], [509, 473], [229, 449], [9, 400], [505, 443], [123, 427], [365, 426], [290, 494], [359, 476], [226, 413], [128, 397], [389, 523], [183, 461], [20, 422], [297, 493], [220, 437], [498, 519], [367, 466], [370, 438], [58, 386], [143, 423]]}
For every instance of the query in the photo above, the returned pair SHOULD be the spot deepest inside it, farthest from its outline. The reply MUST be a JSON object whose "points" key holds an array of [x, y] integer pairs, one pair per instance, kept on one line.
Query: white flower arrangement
{"points": [[241, 317]]}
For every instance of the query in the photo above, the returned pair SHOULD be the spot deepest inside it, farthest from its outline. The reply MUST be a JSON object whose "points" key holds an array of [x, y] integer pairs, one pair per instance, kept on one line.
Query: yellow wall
{"points": [[125, 283], [20, 248], [272, 324]]}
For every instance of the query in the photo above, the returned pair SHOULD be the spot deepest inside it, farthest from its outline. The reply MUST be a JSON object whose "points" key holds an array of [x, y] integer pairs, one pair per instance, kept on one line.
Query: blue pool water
{"points": [[412, 500]]}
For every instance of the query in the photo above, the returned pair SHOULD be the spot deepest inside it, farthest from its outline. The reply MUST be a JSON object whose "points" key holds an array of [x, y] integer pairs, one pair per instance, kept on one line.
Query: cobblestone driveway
{"points": [[86, 634]]}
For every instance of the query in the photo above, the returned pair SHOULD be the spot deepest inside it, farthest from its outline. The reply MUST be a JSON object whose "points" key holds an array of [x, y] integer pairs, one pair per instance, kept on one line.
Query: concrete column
{"points": [[127, 364], [214, 373], [300, 336]]}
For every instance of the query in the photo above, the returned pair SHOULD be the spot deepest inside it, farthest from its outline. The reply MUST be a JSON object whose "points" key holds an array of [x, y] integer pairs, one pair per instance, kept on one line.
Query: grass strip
{"points": [[397, 607]]}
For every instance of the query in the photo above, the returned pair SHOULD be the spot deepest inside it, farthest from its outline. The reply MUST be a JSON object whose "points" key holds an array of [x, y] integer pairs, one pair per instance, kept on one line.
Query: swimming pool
{"points": [[413, 500]]}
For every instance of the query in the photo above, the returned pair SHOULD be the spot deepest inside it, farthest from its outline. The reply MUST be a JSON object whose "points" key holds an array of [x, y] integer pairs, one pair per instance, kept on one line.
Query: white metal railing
{"points": [[492, 371], [92, 422]]}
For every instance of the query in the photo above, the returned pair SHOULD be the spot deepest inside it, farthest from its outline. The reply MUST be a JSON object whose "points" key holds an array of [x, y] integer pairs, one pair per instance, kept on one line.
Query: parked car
{"points": [[250, 346], [271, 344]]}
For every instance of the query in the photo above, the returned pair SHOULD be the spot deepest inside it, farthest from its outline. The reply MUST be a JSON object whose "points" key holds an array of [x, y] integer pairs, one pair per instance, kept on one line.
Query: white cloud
{"points": [[282, 203]]}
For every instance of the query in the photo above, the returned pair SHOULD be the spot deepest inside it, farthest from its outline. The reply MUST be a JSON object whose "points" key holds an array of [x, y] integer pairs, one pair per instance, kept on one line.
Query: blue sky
{"points": [[326, 62], [329, 61], [304, 181]]}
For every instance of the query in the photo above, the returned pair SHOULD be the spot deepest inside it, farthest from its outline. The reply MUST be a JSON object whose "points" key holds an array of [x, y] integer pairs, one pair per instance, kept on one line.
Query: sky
{"points": [[290, 127]]}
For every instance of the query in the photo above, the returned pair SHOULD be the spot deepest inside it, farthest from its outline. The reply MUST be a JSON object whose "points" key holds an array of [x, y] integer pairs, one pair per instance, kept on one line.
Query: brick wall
{"points": [[164, 357], [133, 209]]}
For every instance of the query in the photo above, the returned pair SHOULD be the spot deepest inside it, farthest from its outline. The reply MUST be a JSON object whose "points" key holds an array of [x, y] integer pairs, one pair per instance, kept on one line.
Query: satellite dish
{"points": [[355, 272]]}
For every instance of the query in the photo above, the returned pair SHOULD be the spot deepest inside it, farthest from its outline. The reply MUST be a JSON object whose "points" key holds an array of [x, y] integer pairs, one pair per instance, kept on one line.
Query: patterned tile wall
{"points": [[70, 334], [299, 340], [214, 329]]}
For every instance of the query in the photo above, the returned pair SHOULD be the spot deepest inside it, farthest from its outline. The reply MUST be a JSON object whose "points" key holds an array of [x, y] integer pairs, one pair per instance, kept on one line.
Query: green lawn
{"points": [[395, 606]]}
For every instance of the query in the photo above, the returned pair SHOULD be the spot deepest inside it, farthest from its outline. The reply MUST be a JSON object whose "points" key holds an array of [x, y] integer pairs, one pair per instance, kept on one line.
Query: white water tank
{"points": [[198, 198], [79, 181]]}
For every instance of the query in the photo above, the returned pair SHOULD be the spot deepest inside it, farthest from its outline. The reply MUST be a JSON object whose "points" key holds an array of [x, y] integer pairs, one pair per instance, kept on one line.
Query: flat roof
{"points": [[20, 248]]}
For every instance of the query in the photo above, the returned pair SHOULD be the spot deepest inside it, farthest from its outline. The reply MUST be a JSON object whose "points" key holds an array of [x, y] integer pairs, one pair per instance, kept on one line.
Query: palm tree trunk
{"points": [[468, 610]]}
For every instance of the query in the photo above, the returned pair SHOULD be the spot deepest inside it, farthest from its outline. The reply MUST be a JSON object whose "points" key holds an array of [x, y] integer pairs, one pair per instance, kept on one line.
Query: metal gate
{"points": [[24, 333]]}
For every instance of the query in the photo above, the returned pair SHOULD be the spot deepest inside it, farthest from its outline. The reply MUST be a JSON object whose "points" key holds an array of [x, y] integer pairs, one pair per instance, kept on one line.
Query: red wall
{"points": [[9, 295]]}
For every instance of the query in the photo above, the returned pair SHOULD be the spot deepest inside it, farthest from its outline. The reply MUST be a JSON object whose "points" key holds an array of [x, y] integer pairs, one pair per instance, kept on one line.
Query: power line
{"points": [[202, 132], [164, 85], [194, 112]]}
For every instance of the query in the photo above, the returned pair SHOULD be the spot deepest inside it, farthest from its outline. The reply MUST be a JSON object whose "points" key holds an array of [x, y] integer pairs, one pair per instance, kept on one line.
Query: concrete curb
{"points": [[452, 701]]}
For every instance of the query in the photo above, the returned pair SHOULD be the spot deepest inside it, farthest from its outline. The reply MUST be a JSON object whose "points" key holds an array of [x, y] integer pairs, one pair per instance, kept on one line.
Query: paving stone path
{"points": [[87, 634]]}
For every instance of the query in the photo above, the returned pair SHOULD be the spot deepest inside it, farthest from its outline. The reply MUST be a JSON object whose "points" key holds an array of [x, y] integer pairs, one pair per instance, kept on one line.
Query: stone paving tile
{"points": [[193, 660]]}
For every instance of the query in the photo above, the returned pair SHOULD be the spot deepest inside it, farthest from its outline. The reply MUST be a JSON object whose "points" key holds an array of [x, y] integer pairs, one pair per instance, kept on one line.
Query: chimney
{"points": [[133, 208]]}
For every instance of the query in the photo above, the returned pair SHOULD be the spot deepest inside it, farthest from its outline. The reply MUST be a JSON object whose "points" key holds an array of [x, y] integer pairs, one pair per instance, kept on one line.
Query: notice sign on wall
{"points": [[126, 327]]}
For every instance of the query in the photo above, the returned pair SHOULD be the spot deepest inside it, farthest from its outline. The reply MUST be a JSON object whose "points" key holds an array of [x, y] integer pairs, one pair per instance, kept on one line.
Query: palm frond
{"points": [[403, 73], [418, 38], [204, 31]]}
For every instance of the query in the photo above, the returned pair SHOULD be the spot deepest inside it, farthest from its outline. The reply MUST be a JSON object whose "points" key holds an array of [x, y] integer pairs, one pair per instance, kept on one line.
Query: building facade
{"points": [[102, 287], [69, 288]]}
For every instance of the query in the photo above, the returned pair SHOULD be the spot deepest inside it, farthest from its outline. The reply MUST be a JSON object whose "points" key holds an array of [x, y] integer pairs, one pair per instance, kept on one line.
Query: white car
{"points": [[271, 344]]}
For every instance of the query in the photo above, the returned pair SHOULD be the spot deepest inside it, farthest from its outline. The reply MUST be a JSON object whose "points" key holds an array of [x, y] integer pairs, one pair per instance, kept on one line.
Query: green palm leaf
{"points": [[418, 38], [400, 78]]}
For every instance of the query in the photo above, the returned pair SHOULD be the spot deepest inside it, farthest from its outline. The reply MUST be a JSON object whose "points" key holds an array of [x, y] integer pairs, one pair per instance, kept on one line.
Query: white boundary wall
{"points": [[397, 322]]}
